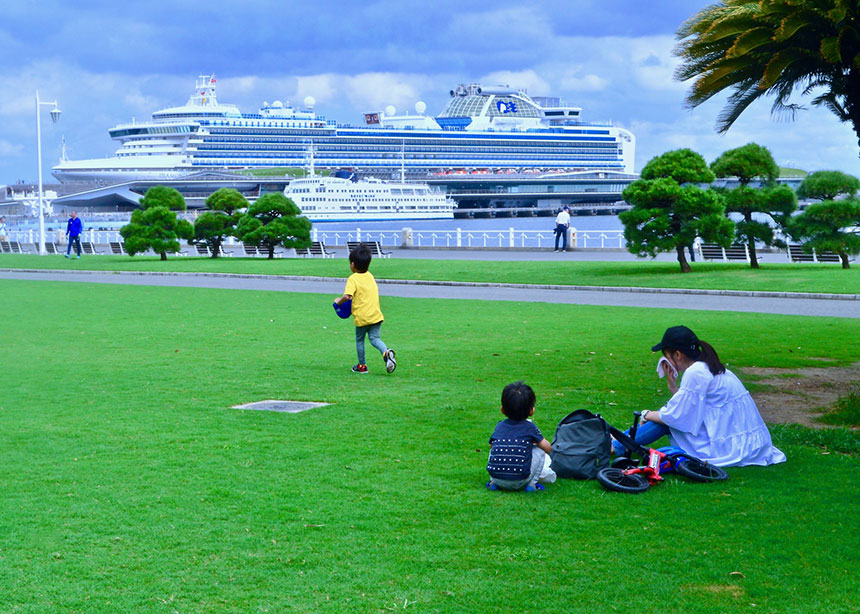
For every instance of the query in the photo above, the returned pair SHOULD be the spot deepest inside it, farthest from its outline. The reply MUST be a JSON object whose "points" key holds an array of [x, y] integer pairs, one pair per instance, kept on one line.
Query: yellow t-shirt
{"points": [[365, 299]]}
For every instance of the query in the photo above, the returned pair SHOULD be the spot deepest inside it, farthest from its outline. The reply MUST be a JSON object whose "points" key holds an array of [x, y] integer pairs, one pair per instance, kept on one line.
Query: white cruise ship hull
{"points": [[494, 130]]}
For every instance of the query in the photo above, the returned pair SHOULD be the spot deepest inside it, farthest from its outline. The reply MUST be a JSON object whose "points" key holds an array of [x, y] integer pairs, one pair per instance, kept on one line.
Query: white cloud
{"points": [[10, 149], [653, 63], [322, 87], [372, 91], [815, 141], [571, 80]]}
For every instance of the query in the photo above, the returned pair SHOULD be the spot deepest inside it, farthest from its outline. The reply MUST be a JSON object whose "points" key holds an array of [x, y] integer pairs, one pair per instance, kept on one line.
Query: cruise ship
{"points": [[482, 129]]}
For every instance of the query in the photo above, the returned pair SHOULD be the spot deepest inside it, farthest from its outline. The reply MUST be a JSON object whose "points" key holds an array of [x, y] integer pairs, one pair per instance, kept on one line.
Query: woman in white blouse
{"points": [[710, 415]]}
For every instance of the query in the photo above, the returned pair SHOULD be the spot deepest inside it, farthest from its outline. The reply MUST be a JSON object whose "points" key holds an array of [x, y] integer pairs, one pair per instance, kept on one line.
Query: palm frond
{"points": [[777, 64], [737, 104], [830, 50], [830, 101], [748, 41]]}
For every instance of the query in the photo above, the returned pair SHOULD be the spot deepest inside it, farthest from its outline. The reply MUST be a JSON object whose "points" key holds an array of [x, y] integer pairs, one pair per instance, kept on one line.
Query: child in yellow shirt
{"points": [[362, 290]]}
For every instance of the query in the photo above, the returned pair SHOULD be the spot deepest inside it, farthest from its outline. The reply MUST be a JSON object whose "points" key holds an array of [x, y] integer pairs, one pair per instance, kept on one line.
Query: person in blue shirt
{"points": [[73, 232], [517, 448]]}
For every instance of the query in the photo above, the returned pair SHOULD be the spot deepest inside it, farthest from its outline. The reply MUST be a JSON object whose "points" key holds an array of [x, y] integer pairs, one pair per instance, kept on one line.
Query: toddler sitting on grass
{"points": [[518, 450]]}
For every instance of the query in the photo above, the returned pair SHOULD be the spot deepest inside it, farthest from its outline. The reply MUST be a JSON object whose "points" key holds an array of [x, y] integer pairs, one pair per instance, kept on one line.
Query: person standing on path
{"points": [[3, 235], [562, 223], [73, 232]]}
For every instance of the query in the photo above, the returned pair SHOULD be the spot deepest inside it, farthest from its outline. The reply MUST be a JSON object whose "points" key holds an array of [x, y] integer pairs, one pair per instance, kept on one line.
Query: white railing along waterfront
{"points": [[405, 237], [454, 238]]}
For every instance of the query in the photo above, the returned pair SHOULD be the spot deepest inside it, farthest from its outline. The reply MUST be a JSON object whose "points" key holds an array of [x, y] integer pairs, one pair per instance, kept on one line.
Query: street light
{"points": [[55, 117]]}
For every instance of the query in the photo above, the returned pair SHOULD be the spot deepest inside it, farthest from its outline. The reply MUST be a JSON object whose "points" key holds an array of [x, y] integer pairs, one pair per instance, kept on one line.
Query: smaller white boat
{"points": [[343, 198]]}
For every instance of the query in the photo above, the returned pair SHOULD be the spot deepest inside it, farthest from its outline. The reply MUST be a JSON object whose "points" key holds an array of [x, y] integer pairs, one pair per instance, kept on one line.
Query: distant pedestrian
{"points": [[562, 223], [73, 232], [3, 235]]}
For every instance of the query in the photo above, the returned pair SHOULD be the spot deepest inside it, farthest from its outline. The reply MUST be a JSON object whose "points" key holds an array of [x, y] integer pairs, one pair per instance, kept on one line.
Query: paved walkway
{"points": [[758, 302], [543, 254]]}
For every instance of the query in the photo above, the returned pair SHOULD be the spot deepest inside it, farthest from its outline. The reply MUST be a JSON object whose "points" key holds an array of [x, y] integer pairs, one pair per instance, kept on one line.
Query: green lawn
{"points": [[717, 276], [129, 486]]}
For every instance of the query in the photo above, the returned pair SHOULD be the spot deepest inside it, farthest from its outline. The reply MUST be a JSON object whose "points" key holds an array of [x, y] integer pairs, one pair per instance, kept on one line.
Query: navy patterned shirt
{"points": [[511, 449]]}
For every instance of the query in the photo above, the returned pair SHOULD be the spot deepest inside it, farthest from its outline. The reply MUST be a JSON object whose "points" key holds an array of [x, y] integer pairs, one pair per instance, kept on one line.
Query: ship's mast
{"points": [[204, 95]]}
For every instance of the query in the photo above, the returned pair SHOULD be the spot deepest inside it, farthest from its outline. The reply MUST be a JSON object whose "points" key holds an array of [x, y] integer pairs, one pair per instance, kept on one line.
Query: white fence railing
{"points": [[454, 238], [406, 237]]}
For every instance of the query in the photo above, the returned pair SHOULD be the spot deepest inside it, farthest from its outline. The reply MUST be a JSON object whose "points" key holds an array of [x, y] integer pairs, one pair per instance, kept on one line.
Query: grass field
{"points": [[717, 276], [129, 486]]}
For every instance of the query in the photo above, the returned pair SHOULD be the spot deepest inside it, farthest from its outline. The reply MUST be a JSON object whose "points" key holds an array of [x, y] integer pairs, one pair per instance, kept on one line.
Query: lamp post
{"points": [[55, 117]]}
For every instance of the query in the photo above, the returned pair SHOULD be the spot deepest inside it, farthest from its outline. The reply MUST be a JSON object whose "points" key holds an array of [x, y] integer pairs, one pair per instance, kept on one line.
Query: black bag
{"points": [[581, 445]]}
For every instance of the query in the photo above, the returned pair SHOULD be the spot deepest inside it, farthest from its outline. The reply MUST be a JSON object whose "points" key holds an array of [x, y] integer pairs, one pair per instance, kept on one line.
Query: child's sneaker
{"points": [[538, 486], [491, 486], [359, 368], [390, 363]]}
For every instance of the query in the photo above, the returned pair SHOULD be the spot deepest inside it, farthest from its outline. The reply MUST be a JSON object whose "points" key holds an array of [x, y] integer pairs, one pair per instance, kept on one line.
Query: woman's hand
{"points": [[670, 381]]}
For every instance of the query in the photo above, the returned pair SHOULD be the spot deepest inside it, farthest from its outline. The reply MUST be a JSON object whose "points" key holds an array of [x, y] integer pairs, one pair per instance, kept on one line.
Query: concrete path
{"points": [[543, 255], [758, 302]]}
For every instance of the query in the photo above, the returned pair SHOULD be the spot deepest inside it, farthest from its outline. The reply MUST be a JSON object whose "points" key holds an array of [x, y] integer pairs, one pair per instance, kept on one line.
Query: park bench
{"points": [[796, 254], [5, 248], [375, 248], [15, 247], [250, 250], [203, 250], [263, 250], [51, 248], [88, 247], [712, 251], [317, 248], [117, 248]]}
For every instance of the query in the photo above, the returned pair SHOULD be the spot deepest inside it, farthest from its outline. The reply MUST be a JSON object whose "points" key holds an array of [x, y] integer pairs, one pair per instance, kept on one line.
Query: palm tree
{"points": [[774, 47]]}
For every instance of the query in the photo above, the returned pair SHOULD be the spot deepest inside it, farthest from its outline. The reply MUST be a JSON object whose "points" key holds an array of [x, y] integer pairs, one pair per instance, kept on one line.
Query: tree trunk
{"points": [[844, 257], [271, 252], [682, 259], [215, 250], [852, 100], [751, 244], [163, 255]]}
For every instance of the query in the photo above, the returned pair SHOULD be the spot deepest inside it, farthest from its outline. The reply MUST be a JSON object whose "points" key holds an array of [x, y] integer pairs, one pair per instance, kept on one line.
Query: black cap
{"points": [[678, 338]]}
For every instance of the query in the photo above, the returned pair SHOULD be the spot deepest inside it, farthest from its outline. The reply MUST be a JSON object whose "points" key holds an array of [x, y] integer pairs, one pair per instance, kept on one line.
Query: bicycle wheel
{"points": [[700, 471], [617, 480]]}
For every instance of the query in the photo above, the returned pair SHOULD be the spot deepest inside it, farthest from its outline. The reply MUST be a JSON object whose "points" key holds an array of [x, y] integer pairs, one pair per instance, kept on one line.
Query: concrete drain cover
{"points": [[291, 407]]}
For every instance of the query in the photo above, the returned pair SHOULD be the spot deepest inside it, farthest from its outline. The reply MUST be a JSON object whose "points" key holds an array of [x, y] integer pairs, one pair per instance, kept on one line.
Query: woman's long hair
{"points": [[707, 354]]}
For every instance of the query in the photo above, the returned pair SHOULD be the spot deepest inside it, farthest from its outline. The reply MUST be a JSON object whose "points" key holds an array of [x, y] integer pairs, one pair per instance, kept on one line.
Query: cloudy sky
{"points": [[108, 62]]}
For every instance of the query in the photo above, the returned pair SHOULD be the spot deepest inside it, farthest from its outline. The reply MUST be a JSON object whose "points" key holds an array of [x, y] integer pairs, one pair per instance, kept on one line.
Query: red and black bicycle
{"points": [[640, 467]]}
